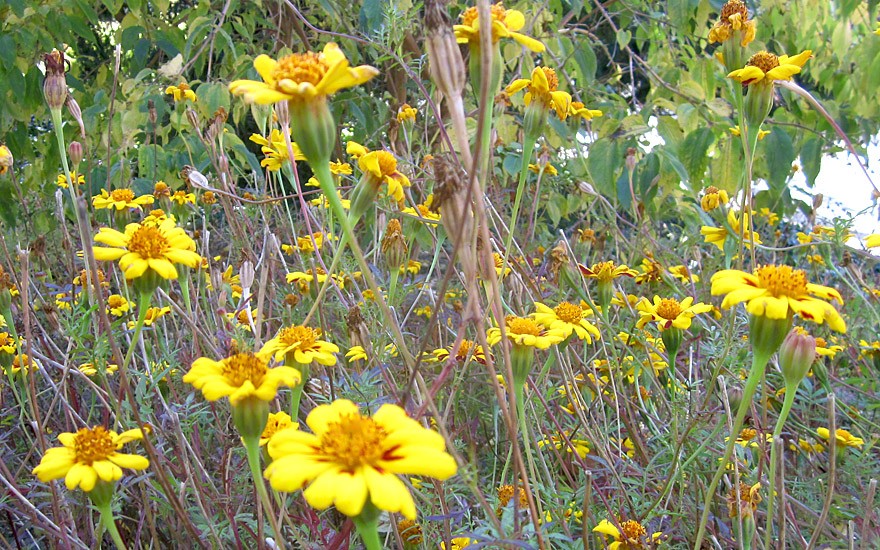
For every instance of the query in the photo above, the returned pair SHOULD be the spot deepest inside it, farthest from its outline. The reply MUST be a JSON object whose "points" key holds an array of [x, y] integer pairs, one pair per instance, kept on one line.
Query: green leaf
{"points": [[602, 163], [372, 16], [780, 155], [693, 154], [811, 159], [623, 38], [214, 96], [586, 62]]}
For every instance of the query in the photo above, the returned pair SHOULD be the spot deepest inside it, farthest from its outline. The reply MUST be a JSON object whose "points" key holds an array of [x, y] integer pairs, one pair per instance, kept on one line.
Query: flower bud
{"points": [[444, 56], [394, 246], [313, 128], [75, 152], [250, 417], [766, 335], [76, 113], [55, 85], [796, 355], [151, 112]]}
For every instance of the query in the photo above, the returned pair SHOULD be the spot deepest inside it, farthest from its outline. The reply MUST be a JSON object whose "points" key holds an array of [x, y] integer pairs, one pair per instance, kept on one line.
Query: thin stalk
{"points": [[143, 305], [790, 392], [252, 446], [759, 363], [528, 147], [297, 391], [368, 531], [110, 524]]}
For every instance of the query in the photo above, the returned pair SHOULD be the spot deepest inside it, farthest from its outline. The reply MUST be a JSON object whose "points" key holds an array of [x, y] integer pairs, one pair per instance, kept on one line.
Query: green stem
{"points": [[110, 524], [528, 147], [369, 532], [759, 363], [252, 446], [393, 277], [143, 305], [790, 392], [297, 391], [519, 390]]}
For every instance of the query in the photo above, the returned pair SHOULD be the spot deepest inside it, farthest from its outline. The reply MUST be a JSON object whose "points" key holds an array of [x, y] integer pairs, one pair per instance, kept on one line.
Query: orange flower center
{"points": [[765, 61], [552, 79], [568, 312], [782, 280], [747, 434], [505, 494], [122, 195], [522, 325], [632, 532], [115, 301], [353, 440], [469, 16], [93, 445], [387, 163], [733, 7], [161, 189], [6, 340], [244, 367], [410, 531], [299, 336], [711, 190], [275, 424], [669, 308], [300, 68], [148, 242], [604, 271]]}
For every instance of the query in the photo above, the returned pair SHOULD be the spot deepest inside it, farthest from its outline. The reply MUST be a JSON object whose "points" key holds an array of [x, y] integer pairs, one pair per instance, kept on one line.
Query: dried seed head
{"points": [[444, 56]]}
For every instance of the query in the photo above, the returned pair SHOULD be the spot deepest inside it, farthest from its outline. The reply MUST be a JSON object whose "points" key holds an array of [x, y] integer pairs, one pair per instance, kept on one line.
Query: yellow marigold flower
{"points": [[683, 274], [302, 345], [304, 280], [457, 543], [765, 65], [717, 235], [356, 353], [607, 271], [548, 168], [304, 244], [161, 189], [302, 77], [145, 248], [21, 361], [153, 315], [734, 17], [120, 199], [410, 531], [777, 292], [771, 216], [242, 318], [872, 241], [501, 270], [182, 197], [324, 203], [746, 503], [577, 109], [579, 446], [239, 377], [62, 301], [824, 349], [340, 168], [842, 438], [736, 132], [88, 455], [63, 182], [524, 331], [277, 422], [630, 536], [424, 211], [381, 167], [181, 92], [808, 447], [652, 271], [669, 312], [713, 198], [117, 305], [568, 318], [505, 23], [412, 267], [7, 342], [156, 217], [406, 113], [209, 197], [5, 159], [89, 369], [467, 349], [542, 87], [275, 150], [349, 458]]}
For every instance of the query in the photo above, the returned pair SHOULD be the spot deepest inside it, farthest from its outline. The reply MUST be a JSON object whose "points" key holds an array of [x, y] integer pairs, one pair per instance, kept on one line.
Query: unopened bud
{"points": [[282, 113], [796, 356], [630, 159], [193, 118], [444, 56], [151, 112], [76, 113], [75, 152], [394, 246], [55, 85]]}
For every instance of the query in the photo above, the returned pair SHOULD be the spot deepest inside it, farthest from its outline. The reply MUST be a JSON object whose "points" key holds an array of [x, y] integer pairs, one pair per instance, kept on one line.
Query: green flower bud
{"points": [[796, 355]]}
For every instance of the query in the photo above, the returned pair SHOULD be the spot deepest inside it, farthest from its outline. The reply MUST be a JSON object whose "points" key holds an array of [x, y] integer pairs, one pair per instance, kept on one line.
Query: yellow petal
{"points": [[265, 65]]}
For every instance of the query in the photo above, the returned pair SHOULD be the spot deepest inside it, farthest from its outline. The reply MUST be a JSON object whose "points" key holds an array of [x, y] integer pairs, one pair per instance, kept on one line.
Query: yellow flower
{"points": [[505, 23], [302, 345], [63, 183], [120, 199], [501, 270], [713, 198], [241, 318], [424, 212], [89, 455], [523, 331], [209, 198], [761, 135], [746, 503], [349, 458], [277, 422], [606, 271], [381, 167], [7, 342], [765, 65], [717, 235], [89, 369], [777, 292], [406, 113], [669, 312], [548, 168], [304, 279], [21, 361], [182, 197], [580, 446], [842, 438], [144, 248], [542, 89], [156, 217], [117, 305], [153, 315], [340, 168], [302, 77], [734, 17], [872, 241], [457, 543], [181, 92], [652, 271], [5, 159], [630, 536], [356, 353], [240, 376], [412, 267], [577, 109], [683, 274], [771, 216], [324, 203], [568, 318], [275, 149], [467, 349]]}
